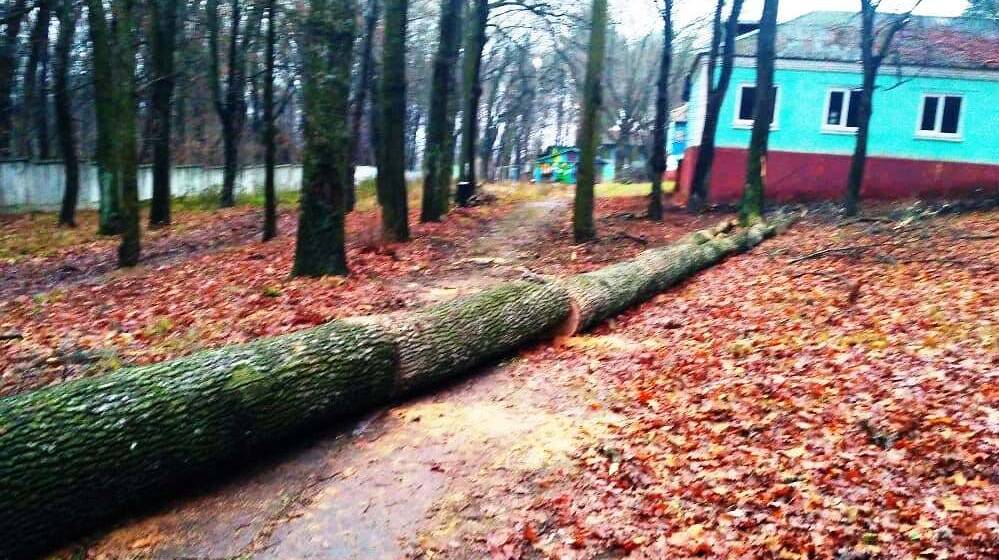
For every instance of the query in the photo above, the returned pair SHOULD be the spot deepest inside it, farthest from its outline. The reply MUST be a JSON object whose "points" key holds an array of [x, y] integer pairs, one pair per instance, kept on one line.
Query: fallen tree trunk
{"points": [[451, 338], [78, 454], [604, 293]]}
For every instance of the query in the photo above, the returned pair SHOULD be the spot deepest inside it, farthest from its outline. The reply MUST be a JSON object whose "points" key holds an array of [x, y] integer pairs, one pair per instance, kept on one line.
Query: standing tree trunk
{"points": [[488, 142], [717, 88], [435, 186], [110, 219], [270, 150], [163, 16], [67, 14], [8, 67], [36, 136], [125, 142], [751, 209], [582, 219], [361, 96], [871, 59], [414, 118], [328, 40], [391, 179], [474, 45], [230, 105], [662, 113], [450, 148]]}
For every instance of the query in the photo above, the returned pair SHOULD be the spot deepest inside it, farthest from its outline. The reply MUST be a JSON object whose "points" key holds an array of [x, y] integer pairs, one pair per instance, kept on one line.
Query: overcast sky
{"points": [[638, 17]]}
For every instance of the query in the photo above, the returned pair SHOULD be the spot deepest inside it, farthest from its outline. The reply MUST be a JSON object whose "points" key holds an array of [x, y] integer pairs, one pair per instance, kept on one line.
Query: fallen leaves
{"points": [[791, 421]]}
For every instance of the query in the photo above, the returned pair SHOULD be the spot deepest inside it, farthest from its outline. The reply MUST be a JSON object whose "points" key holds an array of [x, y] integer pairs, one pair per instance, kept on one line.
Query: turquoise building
{"points": [[934, 129], [558, 165]]}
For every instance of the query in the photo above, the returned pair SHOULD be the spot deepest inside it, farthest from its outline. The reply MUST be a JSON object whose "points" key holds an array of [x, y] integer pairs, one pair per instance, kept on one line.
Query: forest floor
{"points": [[832, 394]]}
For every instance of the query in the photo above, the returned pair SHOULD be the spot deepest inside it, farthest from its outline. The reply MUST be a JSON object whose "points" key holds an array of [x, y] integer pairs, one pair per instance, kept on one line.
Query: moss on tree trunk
{"points": [[76, 454], [328, 41], [391, 180], [435, 183], [582, 216]]}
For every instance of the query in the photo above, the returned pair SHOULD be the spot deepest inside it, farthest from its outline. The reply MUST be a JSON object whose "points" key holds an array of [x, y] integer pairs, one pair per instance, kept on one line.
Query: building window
{"points": [[941, 116], [842, 110], [746, 102]]}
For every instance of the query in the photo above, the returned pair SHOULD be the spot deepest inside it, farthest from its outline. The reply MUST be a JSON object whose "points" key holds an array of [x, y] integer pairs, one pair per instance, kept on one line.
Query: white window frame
{"points": [[748, 123], [841, 128], [936, 133]]}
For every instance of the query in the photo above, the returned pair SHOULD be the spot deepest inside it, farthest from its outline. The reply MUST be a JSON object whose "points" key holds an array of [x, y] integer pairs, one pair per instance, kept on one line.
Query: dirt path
{"points": [[415, 476], [501, 253]]}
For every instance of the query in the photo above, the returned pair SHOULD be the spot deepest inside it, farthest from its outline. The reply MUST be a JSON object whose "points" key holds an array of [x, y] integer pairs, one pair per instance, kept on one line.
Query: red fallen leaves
{"points": [[783, 420], [36, 256]]}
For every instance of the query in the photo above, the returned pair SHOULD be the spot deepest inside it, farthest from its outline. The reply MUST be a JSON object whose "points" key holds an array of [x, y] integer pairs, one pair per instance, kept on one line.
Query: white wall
{"points": [[38, 185]]}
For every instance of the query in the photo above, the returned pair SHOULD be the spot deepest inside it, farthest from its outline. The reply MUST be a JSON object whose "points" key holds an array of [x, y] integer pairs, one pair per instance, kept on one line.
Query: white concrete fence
{"points": [[38, 185]]}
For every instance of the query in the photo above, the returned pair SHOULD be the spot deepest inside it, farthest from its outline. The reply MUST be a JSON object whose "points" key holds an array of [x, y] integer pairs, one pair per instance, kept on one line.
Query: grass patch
{"points": [[37, 234], [611, 190], [208, 201]]}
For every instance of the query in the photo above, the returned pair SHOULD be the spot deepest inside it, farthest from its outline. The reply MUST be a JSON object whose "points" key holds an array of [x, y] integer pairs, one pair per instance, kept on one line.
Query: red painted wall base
{"points": [[798, 176]]}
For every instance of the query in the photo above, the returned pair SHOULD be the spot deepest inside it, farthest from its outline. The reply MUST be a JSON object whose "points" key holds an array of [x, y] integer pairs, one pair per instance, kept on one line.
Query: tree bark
{"points": [[125, 143], [361, 96], [230, 105], [700, 190], [603, 293], [475, 43], [270, 129], [658, 161], [110, 219], [751, 209], [163, 16], [450, 146], [65, 125], [582, 223], [435, 188], [871, 60], [491, 131], [8, 67], [328, 42], [391, 179], [35, 110]]}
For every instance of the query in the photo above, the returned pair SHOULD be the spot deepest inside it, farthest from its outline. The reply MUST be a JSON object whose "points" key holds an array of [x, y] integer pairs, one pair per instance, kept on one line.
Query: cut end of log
{"points": [[573, 323]]}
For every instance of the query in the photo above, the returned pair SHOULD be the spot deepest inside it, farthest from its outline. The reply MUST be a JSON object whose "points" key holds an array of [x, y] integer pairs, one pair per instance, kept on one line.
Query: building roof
{"points": [[971, 43]]}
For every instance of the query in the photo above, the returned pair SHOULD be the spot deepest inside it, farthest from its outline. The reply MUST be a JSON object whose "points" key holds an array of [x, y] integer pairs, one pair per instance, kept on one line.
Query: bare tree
{"points": [[361, 94], [391, 178], [14, 16], [436, 187], [35, 109], [270, 127], [124, 143], [163, 20], [67, 13], [751, 209], [230, 104], [874, 47], [474, 45], [717, 88], [582, 224], [658, 162], [101, 41], [328, 39]]}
